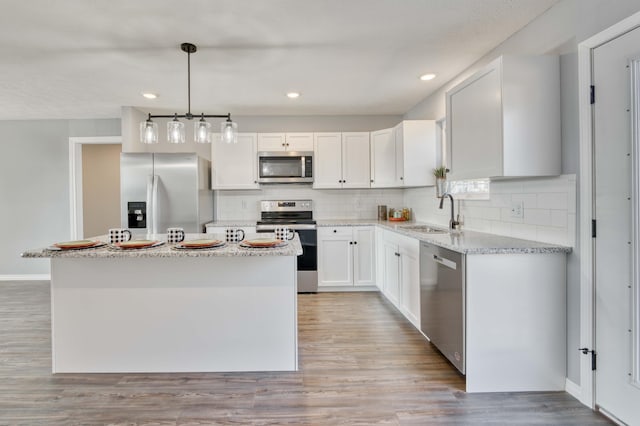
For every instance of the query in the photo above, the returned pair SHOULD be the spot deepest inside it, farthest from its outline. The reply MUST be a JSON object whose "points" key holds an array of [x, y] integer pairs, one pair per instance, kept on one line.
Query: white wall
{"points": [[557, 31], [34, 186]]}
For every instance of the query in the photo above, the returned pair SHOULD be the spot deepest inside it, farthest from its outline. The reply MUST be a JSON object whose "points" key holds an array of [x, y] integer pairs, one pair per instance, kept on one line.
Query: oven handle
{"points": [[298, 227]]}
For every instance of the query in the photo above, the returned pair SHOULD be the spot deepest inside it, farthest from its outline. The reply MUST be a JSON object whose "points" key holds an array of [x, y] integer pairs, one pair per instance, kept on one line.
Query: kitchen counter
{"points": [[167, 310], [465, 242], [235, 223], [293, 248]]}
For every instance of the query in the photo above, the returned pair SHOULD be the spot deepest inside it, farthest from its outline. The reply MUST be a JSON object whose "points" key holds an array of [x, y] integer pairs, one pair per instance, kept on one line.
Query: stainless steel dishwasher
{"points": [[442, 301]]}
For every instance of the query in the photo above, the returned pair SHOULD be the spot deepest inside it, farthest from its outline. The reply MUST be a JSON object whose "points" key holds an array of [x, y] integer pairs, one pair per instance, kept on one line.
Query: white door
{"points": [[271, 142], [410, 279], [327, 160], [235, 165], [398, 137], [364, 255], [299, 141], [391, 272], [383, 159], [617, 381], [335, 257], [355, 160]]}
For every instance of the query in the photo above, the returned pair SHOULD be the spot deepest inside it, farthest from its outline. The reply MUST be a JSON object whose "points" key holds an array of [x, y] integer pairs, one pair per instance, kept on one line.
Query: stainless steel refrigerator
{"points": [[158, 191]]}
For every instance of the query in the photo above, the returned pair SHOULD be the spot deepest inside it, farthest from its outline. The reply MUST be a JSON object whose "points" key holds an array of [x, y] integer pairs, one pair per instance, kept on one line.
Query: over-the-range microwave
{"points": [[285, 167]]}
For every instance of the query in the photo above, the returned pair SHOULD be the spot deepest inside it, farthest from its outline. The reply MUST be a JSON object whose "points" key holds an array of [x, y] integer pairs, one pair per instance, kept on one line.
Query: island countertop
{"points": [[293, 248]]}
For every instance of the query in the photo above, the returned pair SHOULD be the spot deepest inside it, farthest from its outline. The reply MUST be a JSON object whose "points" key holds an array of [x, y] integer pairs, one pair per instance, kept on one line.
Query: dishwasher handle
{"points": [[445, 262]]}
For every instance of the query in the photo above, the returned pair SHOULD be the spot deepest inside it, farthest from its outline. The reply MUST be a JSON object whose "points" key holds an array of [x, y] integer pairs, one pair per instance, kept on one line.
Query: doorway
{"points": [[94, 162], [616, 167]]}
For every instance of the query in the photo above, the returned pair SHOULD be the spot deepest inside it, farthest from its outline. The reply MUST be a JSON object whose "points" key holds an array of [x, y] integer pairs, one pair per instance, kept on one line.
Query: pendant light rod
{"points": [[190, 48]]}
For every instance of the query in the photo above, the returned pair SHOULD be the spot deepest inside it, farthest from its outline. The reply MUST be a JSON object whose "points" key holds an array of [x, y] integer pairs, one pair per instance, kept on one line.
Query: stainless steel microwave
{"points": [[285, 167]]}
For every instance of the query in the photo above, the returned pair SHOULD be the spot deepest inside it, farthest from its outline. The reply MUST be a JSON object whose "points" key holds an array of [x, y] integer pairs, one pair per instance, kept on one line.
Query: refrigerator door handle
{"points": [[154, 212], [149, 203]]}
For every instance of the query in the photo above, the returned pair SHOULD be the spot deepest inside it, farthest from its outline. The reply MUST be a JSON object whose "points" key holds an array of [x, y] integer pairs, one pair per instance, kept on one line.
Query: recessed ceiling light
{"points": [[427, 77], [149, 95], [293, 95]]}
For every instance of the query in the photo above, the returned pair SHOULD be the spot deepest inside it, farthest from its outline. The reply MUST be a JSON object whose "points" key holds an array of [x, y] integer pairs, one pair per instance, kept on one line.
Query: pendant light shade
{"points": [[175, 128], [175, 131], [229, 131], [201, 131], [148, 132]]}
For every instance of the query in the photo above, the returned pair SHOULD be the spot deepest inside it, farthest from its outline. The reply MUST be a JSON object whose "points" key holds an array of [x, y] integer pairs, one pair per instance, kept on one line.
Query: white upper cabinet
{"points": [[383, 159], [415, 152], [285, 141], [355, 160], [404, 156], [341, 160], [505, 120], [299, 141], [234, 165]]}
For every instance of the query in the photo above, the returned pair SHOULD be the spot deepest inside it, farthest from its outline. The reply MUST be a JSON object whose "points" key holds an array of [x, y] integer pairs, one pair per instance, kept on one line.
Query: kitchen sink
{"points": [[424, 229]]}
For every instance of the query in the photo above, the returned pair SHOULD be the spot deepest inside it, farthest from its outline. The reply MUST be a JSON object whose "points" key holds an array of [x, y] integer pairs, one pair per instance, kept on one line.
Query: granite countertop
{"points": [[466, 242], [293, 248]]}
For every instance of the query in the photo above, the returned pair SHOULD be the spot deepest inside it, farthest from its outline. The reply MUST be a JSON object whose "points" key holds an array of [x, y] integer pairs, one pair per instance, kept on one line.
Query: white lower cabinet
{"points": [[346, 256], [400, 260]]}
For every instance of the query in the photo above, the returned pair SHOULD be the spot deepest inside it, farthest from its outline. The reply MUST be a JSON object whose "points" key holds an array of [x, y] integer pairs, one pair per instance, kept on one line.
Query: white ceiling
{"points": [[87, 58]]}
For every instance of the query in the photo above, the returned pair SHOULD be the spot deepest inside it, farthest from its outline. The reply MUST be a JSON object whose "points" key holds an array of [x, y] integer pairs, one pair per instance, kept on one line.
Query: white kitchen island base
{"points": [[168, 314]]}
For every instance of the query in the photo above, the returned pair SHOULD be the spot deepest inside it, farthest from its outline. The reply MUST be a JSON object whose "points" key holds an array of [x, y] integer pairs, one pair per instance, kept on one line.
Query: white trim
{"points": [[26, 277], [587, 327], [573, 389], [75, 177]]}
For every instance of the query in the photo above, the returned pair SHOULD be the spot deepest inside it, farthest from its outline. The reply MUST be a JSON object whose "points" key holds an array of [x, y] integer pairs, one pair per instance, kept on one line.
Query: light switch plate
{"points": [[517, 209]]}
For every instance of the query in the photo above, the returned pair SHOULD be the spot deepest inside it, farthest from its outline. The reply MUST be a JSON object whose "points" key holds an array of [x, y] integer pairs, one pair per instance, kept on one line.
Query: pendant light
{"points": [[201, 128]]}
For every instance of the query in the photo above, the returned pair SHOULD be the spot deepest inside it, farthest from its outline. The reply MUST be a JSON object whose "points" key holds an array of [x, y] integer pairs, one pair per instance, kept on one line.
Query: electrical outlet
{"points": [[517, 209]]}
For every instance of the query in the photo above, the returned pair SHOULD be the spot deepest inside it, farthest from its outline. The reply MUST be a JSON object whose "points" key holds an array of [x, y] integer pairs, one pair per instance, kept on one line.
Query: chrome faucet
{"points": [[454, 224]]}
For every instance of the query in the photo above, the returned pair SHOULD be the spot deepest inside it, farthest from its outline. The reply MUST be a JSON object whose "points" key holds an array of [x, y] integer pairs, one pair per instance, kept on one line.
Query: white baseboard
{"points": [[322, 289], [26, 277], [573, 389]]}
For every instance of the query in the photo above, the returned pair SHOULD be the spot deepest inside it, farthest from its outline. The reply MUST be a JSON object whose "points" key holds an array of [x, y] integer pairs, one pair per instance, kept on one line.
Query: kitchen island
{"points": [[166, 310]]}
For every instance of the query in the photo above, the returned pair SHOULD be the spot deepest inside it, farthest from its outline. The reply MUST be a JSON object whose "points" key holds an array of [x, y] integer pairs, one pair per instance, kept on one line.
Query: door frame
{"points": [[75, 178], [586, 393]]}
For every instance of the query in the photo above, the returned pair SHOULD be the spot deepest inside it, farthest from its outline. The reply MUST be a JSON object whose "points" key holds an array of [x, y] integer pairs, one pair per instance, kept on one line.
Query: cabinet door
{"points": [[383, 159], [397, 137], [474, 127], [327, 160], [418, 152], [364, 255], [410, 280], [234, 165], [380, 258], [299, 141], [391, 273], [271, 142], [335, 257], [355, 160]]}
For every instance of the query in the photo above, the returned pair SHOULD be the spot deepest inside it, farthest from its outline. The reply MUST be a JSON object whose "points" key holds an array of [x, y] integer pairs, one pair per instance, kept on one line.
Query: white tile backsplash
{"points": [[549, 206], [328, 204]]}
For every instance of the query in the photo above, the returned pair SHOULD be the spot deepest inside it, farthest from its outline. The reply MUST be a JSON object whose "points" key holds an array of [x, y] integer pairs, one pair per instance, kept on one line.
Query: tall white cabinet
{"points": [[235, 165], [341, 160], [504, 121], [404, 156], [346, 256]]}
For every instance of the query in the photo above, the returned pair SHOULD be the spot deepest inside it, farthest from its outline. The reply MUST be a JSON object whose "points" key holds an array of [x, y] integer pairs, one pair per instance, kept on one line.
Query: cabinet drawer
{"points": [[334, 231]]}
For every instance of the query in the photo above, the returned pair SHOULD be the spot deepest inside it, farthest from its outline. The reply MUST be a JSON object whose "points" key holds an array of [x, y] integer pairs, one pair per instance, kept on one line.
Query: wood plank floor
{"points": [[361, 363]]}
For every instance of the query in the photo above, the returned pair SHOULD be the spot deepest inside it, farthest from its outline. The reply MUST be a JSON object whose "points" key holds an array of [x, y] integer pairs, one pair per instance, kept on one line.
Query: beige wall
{"points": [[100, 188]]}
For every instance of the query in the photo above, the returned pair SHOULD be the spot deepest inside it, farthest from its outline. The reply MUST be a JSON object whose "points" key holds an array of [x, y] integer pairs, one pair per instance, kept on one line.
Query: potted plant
{"points": [[441, 180]]}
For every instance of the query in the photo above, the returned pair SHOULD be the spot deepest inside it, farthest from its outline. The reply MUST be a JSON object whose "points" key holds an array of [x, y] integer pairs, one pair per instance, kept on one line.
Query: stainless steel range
{"points": [[297, 215]]}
